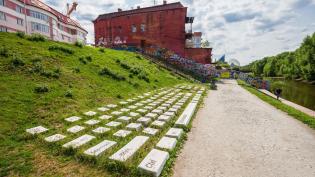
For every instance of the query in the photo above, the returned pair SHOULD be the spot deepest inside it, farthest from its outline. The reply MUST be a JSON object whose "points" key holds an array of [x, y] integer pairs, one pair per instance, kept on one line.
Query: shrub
{"points": [[88, 58], [155, 80], [4, 52], [82, 60], [76, 70], [37, 68], [69, 94], [136, 85], [136, 70], [139, 57], [41, 89], [113, 75], [17, 62], [61, 48], [20, 34], [78, 44], [119, 96], [125, 65], [102, 50], [144, 77], [36, 38]]}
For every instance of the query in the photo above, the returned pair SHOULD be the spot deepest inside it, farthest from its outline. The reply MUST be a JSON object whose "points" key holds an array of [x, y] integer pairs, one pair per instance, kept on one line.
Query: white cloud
{"points": [[243, 29]]}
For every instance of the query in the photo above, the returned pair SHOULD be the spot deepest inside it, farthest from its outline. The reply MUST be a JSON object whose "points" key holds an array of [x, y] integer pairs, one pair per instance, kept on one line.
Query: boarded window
{"points": [[133, 28], [142, 27]]}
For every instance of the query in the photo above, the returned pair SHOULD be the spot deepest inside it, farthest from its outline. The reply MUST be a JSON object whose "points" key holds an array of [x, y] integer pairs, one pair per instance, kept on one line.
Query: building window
{"points": [[2, 16], [40, 27], [133, 28], [1, 2], [19, 9], [19, 21], [38, 15], [142, 27], [119, 29], [3, 29]]}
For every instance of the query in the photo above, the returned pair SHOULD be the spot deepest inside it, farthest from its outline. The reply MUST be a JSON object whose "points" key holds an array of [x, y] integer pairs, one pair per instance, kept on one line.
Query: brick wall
{"points": [[201, 55]]}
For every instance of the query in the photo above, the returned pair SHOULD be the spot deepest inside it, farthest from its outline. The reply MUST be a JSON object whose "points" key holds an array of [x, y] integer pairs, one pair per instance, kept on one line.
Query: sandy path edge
{"points": [[237, 134]]}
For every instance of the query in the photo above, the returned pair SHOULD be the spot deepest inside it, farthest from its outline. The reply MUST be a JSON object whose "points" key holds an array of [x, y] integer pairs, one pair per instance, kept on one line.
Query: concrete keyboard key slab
{"points": [[164, 118], [54, 138], [174, 133], [144, 120], [116, 113], [150, 131], [167, 143], [92, 122], [101, 130], [170, 113], [129, 149], [152, 115], [103, 109], [113, 124], [90, 113], [36, 130], [73, 119], [158, 123], [124, 119], [124, 110], [105, 117], [154, 162], [134, 114], [75, 129], [184, 119], [79, 141], [111, 106], [100, 148], [122, 133], [134, 126], [157, 111]]}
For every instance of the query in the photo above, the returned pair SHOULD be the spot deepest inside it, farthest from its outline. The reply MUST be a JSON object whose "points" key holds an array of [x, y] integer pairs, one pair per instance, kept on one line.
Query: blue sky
{"points": [[245, 30]]}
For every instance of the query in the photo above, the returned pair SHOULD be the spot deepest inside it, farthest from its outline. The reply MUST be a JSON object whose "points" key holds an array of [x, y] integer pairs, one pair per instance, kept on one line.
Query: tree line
{"points": [[298, 64]]}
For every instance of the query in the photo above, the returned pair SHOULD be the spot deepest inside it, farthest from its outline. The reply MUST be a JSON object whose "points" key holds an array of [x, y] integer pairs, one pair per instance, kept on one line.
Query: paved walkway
{"points": [[238, 135], [289, 103]]}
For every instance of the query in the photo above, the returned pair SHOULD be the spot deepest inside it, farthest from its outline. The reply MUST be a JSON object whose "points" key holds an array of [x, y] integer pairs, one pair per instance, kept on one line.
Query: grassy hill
{"points": [[43, 82]]}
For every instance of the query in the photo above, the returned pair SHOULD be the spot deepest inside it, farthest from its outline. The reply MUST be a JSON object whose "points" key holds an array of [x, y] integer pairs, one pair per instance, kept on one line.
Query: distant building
{"points": [[162, 26], [34, 16]]}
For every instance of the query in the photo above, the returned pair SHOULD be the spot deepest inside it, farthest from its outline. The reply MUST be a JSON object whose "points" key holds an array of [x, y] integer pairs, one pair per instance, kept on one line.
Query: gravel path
{"points": [[238, 135]]}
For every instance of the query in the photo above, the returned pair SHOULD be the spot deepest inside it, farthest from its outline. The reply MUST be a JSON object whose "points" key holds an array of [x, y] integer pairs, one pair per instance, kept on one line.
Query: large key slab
{"points": [[154, 162], [129, 149]]}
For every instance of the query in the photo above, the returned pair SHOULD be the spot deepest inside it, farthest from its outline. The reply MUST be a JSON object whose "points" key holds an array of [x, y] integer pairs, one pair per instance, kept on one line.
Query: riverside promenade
{"points": [[235, 134]]}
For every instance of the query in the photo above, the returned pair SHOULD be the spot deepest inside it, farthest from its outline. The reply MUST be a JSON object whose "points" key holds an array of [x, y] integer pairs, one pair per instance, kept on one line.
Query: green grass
{"points": [[43, 82], [306, 119]]}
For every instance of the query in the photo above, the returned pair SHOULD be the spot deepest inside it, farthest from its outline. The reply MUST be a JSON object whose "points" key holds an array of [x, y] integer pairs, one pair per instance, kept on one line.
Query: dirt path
{"points": [[238, 135]]}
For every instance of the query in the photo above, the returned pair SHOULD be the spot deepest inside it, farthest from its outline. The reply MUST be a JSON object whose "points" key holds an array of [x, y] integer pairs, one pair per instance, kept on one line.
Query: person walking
{"points": [[278, 92]]}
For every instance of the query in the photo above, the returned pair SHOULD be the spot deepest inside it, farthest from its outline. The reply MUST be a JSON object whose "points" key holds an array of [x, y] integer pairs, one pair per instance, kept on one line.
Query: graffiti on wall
{"points": [[253, 81]]}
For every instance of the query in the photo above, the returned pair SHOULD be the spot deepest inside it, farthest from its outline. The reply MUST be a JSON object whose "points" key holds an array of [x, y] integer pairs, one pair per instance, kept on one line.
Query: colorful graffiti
{"points": [[256, 82], [201, 71]]}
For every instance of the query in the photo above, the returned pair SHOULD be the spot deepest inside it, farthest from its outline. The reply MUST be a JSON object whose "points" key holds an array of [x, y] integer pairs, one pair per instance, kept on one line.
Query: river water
{"points": [[298, 92]]}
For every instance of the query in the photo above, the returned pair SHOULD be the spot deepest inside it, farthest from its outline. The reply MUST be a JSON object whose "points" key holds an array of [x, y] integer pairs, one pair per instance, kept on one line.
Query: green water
{"points": [[297, 92]]}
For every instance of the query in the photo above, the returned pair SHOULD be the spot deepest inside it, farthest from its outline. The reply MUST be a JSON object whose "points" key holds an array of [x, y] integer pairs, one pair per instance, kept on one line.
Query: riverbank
{"points": [[307, 119]]}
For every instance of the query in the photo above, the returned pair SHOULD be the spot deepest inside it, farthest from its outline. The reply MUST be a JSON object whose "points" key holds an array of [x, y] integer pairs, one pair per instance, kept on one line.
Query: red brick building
{"points": [[161, 26]]}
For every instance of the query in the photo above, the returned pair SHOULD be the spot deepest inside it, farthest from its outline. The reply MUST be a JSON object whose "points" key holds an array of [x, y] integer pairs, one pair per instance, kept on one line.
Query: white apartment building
{"points": [[34, 16]]}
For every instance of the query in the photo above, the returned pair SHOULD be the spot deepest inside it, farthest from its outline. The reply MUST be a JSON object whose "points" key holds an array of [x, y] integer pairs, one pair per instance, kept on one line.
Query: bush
{"points": [[102, 50], [136, 70], [119, 96], [61, 48], [79, 44], [139, 57], [76, 70], [41, 89], [136, 85], [82, 60], [125, 65], [36, 38], [144, 77], [88, 58], [4, 52], [69, 94], [113, 75], [17, 62], [20, 34]]}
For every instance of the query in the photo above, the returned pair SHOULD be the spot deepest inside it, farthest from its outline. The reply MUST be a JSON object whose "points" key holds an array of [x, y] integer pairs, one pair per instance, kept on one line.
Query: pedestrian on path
{"points": [[278, 92]]}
